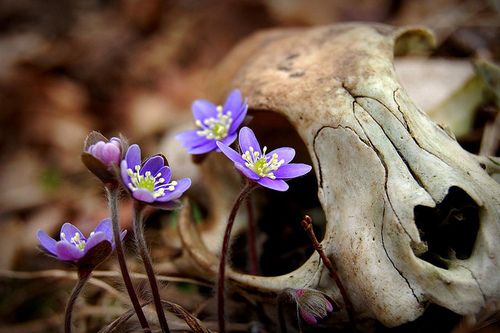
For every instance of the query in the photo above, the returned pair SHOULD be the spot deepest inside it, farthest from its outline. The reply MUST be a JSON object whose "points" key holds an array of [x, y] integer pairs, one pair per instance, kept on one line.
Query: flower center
{"points": [[154, 184], [261, 164], [76, 240], [215, 128]]}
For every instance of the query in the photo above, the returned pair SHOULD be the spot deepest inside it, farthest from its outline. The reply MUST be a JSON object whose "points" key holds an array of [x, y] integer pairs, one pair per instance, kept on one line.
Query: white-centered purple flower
{"points": [[150, 182], [109, 153], [269, 169], [311, 304], [214, 123], [73, 246]]}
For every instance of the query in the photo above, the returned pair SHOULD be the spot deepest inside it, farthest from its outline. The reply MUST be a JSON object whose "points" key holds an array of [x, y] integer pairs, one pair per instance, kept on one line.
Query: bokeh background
{"points": [[134, 67]]}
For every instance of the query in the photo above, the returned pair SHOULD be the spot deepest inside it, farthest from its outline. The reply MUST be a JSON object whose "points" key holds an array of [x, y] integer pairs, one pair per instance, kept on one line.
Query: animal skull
{"points": [[412, 218]]}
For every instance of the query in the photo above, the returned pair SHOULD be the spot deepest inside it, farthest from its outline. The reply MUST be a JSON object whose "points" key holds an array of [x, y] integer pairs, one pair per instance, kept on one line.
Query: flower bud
{"points": [[109, 153], [102, 156], [311, 304]]}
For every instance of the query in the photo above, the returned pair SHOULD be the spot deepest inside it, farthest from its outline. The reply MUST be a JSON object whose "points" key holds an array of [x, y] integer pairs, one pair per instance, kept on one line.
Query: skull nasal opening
{"points": [[283, 244], [449, 229]]}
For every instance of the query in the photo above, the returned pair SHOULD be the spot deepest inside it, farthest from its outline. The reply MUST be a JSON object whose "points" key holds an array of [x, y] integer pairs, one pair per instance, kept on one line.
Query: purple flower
{"points": [[267, 169], [75, 247], [150, 182], [215, 123], [102, 156], [109, 153], [311, 304]]}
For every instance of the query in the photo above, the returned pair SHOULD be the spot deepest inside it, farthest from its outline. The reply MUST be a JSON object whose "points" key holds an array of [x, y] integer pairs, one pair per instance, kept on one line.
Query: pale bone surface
{"points": [[376, 157]]}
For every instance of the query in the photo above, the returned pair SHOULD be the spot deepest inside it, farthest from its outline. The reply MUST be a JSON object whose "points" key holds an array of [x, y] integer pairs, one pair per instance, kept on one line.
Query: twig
{"points": [[307, 225], [59, 273]]}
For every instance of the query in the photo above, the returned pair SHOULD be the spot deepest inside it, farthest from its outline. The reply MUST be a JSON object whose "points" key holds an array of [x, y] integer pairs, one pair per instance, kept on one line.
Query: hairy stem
{"points": [[307, 225], [148, 266], [252, 248], [112, 192], [249, 186], [82, 278]]}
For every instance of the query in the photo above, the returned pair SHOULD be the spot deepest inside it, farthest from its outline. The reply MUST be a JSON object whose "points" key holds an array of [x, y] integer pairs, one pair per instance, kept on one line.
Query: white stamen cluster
{"points": [[76, 240], [261, 164], [154, 184], [215, 128]]}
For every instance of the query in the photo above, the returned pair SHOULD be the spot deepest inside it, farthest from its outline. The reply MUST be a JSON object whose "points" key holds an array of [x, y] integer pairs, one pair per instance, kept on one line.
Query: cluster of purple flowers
{"points": [[149, 182]]}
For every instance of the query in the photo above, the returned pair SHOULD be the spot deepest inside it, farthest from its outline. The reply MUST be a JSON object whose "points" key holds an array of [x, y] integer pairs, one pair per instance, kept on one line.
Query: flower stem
{"points": [[83, 277], [252, 248], [112, 192], [249, 186], [307, 225], [146, 259]]}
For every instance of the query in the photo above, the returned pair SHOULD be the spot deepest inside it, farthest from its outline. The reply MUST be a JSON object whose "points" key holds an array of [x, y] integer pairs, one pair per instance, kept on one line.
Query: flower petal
{"points": [[106, 227], [247, 140], [70, 231], [208, 146], [233, 102], [68, 252], [238, 118], [153, 164], [328, 305], [133, 156], [246, 171], [165, 174], [308, 318], [182, 185], [143, 195], [191, 138], [95, 239], [229, 139], [273, 184], [230, 153], [203, 109], [292, 170], [124, 173], [287, 154], [110, 154], [48, 243]]}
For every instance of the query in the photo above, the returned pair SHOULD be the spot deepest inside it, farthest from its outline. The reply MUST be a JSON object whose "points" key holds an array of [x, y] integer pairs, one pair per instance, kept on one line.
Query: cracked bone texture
{"points": [[376, 157]]}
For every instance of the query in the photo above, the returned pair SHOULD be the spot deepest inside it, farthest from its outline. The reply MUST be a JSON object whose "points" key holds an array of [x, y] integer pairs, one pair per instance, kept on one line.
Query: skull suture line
{"points": [[412, 218]]}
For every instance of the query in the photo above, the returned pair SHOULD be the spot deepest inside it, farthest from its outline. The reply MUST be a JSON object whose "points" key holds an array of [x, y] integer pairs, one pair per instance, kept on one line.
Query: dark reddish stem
{"points": [[112, 192], [249, 186], [307, 225], [148, 266], [83, 277], [252, 247]]}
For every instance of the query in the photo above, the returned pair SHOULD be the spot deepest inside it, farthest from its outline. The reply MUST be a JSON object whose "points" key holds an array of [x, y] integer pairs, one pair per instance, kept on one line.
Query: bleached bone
{"points": [[379, 161]]}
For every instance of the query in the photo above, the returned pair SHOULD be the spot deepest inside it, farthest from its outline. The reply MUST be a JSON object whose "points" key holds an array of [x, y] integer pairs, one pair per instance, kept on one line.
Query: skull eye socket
{"points": [[449, 229], [284, 244]]}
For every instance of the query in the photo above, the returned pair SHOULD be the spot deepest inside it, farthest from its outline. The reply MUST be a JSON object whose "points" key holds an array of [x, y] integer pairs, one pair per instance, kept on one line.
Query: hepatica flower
{"points": [[311, 304], [269, 169], [109, 153], [150, 182], [214, 123], [74, 247], [102, 156]]}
